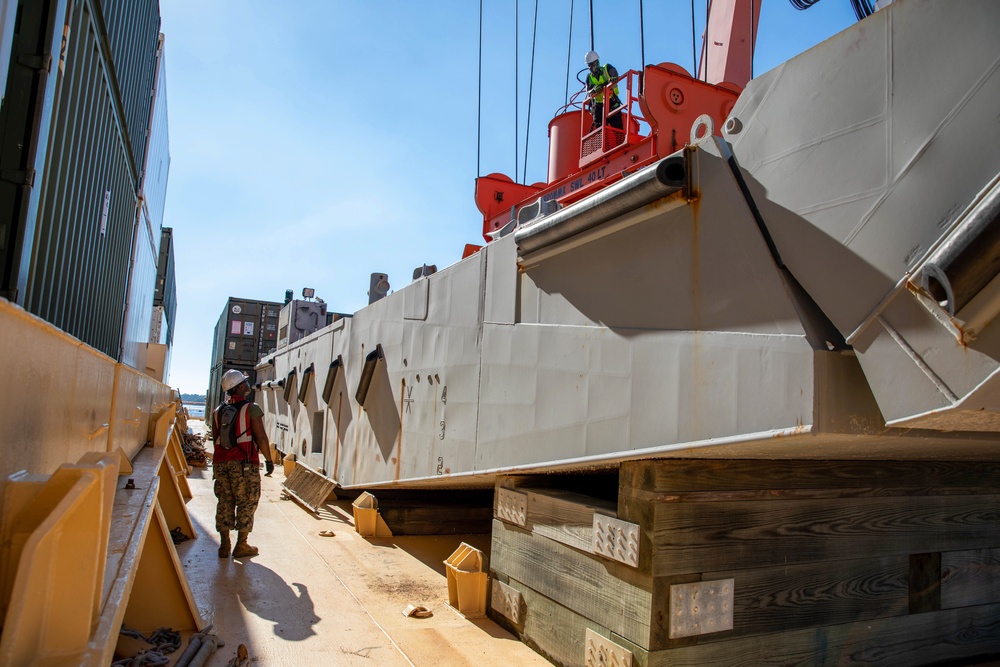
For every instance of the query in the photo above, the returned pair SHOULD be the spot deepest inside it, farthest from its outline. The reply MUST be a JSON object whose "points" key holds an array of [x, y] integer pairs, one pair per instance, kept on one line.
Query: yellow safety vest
{"points": [[596, 81]]}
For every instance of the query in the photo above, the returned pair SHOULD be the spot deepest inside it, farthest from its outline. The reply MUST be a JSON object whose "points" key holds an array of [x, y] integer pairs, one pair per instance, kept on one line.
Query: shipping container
{"points": [[132, 31], [165, 294], [246, 331], [139, 308], [72, 142], [215, 396], [8, 15], [157, 166], [25, 123]]}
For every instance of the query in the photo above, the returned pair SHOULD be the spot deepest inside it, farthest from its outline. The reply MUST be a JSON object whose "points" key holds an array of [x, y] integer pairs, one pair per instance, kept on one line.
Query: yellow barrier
{"points": [[79, 552], [55, 402]]}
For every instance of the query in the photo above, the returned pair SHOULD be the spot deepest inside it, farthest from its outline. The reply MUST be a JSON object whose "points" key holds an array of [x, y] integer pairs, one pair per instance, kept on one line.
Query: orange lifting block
{"points": [[466, 581]]}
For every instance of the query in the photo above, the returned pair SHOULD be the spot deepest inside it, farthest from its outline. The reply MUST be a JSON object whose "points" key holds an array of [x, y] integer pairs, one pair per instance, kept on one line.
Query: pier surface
{"points": [[309, 600]]}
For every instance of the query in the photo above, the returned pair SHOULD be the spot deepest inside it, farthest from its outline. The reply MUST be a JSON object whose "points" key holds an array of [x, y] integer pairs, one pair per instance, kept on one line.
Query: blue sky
{"points": [[314, 142]]}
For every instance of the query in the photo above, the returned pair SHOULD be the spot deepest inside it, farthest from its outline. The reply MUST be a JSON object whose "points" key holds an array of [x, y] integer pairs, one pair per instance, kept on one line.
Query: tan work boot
{"points": [[224, 545], [242, 549]]}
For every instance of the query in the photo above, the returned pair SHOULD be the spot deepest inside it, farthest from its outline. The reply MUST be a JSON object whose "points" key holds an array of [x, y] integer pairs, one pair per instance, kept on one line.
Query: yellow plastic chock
{"points": [[466, 581], [365, 509], [367, 521]]}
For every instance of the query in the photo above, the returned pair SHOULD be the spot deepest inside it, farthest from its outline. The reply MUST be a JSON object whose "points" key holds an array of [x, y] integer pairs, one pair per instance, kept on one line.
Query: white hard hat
{"points": [[591, 57], [232, 379]]}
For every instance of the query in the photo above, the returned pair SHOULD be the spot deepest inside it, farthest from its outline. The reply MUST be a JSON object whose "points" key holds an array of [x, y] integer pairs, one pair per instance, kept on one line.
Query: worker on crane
{"points": [[597, 81]]}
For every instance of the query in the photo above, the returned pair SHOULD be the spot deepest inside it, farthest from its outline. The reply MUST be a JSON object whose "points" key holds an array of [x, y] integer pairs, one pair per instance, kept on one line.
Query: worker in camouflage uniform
{"points": [[240, 440]]}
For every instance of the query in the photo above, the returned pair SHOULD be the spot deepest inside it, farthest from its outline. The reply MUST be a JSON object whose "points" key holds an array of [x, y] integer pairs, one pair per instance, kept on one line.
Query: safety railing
{"points": [[618, 122]]}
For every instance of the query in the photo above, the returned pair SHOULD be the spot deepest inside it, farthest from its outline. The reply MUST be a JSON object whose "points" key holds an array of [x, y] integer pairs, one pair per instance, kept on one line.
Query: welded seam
{"points": [[901, 284], [918, 360], [919, 153]]}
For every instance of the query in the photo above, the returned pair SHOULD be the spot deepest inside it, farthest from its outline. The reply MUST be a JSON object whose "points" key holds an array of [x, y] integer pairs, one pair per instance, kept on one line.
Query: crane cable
{"points": [[694, 52], [591, 25], [531, 83], [862, 8], [479, 100], [517, 134], [642, 40], [569, 49]]}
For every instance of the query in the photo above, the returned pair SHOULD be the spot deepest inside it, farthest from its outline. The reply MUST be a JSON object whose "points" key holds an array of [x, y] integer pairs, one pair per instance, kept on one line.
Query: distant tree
{"points": [[193, 398]]}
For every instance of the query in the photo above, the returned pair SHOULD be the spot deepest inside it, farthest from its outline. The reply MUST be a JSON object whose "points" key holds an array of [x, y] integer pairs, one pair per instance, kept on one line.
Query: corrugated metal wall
{"points": [[138, 317], [166, 282], [8, 12], [133, 29], [25, 122], [88, 193], [157, 169], [151, 241]]}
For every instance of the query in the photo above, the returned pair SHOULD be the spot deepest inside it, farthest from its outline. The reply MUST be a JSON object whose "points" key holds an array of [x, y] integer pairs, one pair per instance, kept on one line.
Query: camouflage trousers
{"points": [[237, 486]]}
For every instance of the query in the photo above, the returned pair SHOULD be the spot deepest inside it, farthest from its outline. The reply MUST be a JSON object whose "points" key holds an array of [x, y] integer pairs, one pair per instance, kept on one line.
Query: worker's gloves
{"points": [[269, 467]]}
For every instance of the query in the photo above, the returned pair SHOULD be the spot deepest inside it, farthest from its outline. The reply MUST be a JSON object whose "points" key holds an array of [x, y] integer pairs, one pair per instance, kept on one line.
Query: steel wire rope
{"points": [[642, 40], [569, 51], [752, 42], [694, 50], [862, 8], [531, 84], [479, 100], [517, 134], [591, 25]]}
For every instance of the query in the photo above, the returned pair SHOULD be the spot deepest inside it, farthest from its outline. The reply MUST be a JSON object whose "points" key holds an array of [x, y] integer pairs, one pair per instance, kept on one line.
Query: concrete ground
{"points": [[313, 600]]}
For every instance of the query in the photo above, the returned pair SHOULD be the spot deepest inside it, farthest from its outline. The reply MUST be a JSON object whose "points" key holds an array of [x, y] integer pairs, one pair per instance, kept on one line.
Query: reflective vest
{"points": [[601, 78], [244, 433]]}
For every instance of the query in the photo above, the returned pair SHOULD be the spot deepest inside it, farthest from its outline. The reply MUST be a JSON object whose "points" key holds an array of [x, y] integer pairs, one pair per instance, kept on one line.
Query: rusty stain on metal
{"points": [[399, 438]]}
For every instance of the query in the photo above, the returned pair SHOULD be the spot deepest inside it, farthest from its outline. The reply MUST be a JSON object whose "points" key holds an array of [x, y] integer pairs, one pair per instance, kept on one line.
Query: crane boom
{"points": [[728, 44]]}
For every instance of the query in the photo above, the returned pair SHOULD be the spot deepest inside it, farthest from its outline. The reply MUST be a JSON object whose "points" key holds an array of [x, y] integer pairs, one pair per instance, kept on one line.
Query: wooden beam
{"points": [[950, 635], [612, 594], [777, 599], [564, 516], [970, 578], [700, 537], [680, 475], [552, 630]]}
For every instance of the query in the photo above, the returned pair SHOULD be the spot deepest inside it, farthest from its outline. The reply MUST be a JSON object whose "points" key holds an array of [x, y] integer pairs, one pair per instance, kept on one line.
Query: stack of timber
{"points": [[755, 562]]}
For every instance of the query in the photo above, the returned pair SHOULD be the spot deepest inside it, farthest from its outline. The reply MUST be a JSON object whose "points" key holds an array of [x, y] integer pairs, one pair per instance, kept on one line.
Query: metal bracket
{"points": [[512, 507], [507, 601], [38, 62], [701, 608], [602, 652], [616, 539], [18, 176]]}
